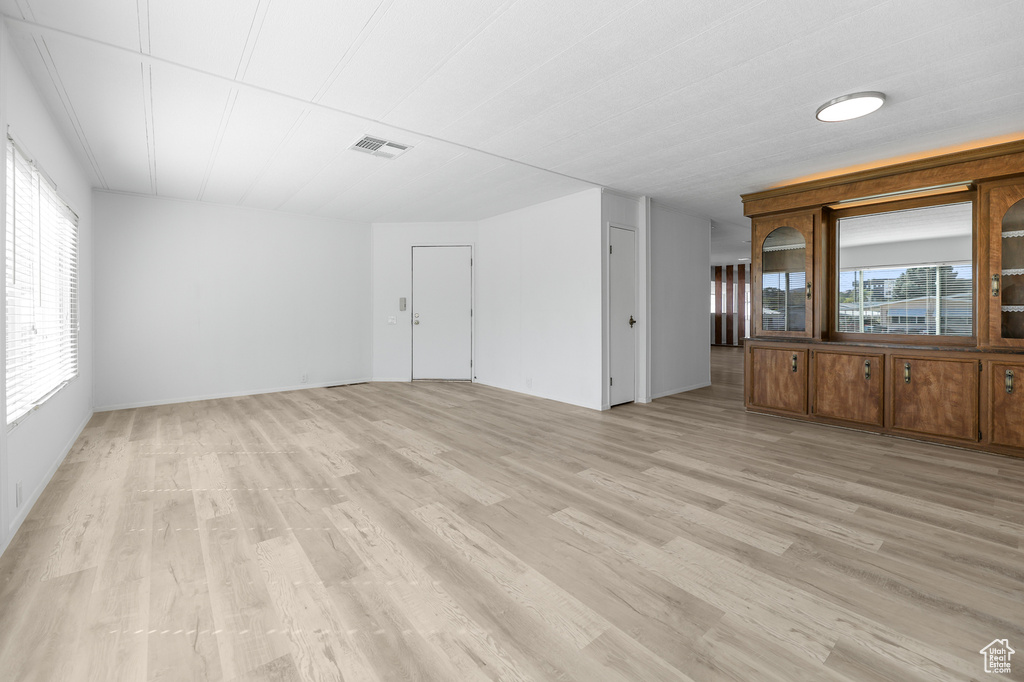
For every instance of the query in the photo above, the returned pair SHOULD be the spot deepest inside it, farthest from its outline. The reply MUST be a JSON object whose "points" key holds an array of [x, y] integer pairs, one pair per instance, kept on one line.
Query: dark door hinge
{"points": [[611, 382], [979, 365]]}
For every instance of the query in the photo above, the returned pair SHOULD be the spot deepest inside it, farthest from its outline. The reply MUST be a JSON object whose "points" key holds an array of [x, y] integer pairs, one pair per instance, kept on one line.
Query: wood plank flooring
{"points": [[440, 531]]}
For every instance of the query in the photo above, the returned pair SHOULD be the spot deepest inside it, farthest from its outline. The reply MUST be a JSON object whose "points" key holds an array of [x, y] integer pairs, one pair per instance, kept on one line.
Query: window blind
{"points": [[42, 287], [931, 298]]}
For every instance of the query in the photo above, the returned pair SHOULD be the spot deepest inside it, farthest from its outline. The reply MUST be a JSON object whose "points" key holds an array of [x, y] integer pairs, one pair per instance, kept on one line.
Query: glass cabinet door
{"points": [[1006, 229], [783, 252], [1012, 251]]}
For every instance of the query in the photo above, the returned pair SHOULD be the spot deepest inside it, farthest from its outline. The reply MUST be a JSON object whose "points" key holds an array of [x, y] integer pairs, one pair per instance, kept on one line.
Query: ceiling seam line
{"points": [[451, 55], [58, 84], [296, 124], [229, 106], [352, 49], [258, 88]]}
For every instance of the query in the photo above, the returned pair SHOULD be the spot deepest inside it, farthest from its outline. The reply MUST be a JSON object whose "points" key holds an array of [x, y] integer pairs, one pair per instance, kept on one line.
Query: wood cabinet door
{"points": [[849, 386], [778, 379], [935, 396], [1006, 404]]}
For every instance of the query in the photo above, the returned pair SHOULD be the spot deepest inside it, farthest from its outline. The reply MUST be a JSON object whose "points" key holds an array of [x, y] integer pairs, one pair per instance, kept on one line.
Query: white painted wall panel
{"points": [[31, 452], [680, 324], [199, 301], [539, 300], [392, 279]]}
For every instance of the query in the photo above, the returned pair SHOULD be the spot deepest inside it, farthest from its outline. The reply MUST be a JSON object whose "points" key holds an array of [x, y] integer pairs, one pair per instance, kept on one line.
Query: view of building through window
{"points": [[926, 299]]}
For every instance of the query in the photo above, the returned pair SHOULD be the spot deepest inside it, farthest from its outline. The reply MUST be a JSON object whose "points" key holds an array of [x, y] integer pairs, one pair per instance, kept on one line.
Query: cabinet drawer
{"points": [[778, 379], [849, 386], [935, 396]]}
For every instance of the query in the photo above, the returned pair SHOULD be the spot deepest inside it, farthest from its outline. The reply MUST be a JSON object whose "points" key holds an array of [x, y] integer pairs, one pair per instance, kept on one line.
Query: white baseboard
{"points": [[237, 394], [34, 497], [597, 407], [684, 389]]}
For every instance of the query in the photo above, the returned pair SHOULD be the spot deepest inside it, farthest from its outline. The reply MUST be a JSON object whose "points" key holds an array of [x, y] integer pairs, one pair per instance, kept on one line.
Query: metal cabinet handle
{"points": [[794, 362], [867, 370], [906, 372], [1009, 381], [808, 290], [995, 285]]}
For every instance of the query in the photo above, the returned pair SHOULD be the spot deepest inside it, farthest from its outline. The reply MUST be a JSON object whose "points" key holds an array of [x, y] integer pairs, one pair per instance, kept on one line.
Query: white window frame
{"points": [[41, 271]]}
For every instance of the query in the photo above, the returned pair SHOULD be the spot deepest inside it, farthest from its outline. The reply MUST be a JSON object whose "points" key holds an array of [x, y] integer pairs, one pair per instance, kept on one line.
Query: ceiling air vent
{"points": [[378, 147]]}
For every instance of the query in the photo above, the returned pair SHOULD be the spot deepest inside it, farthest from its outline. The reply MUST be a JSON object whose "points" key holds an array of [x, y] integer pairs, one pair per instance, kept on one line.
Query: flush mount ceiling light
{"points": [[850, 106]]}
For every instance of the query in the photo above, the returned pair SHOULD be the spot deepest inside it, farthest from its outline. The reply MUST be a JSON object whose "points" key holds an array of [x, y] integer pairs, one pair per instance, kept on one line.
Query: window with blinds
{"points": [[907, 272], [42, 287]]}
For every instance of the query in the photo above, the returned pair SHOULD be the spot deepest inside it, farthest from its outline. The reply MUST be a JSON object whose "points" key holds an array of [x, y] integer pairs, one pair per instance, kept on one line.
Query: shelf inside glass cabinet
{"points": [[1012, 272]]}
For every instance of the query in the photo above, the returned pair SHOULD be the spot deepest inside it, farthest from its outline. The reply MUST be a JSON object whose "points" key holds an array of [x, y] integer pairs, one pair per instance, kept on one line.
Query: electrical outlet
{"points": [[18, 496], [305, 378]]}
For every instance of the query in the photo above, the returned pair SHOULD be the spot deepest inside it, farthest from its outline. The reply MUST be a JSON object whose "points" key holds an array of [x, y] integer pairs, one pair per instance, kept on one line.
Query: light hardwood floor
{"points": [[437, 531]]}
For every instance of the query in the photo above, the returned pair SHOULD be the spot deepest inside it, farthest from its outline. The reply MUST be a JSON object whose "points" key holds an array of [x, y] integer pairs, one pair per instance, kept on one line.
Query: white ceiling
{"points": [[509, 102]]}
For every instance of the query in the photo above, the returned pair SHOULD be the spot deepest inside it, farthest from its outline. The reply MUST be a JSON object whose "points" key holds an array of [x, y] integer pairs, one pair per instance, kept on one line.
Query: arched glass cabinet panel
{"points": [[784, 281], [1002, 207], [1012, 276]]}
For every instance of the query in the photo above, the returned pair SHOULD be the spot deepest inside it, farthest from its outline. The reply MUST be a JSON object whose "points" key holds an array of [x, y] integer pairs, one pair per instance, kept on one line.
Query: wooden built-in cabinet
{"points": [[935, 396], [779, 379], [849, 386], [1006, 403], [825, 350]]}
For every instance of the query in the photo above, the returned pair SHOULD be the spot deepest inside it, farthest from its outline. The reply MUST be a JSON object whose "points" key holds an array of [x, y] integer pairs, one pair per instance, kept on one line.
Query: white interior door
{"points": [[622, 313], [442, 304]]}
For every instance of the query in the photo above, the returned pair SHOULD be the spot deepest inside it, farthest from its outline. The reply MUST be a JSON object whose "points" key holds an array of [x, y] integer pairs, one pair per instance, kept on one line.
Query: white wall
{"points": [[539, 300], [392, 280], [680, 324], [908, 253], [199, 300], [32, 451]]}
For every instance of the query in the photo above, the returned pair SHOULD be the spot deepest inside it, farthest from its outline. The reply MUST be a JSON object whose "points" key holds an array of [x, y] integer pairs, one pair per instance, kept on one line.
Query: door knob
{"points": [[415, 321], [631, 321]]}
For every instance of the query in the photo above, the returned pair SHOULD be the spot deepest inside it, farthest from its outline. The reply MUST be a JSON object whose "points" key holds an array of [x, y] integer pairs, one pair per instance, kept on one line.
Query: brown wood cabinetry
{"points": [[779, 379], [897, 294], [1006, 404], [849, 386], [935, 396]]}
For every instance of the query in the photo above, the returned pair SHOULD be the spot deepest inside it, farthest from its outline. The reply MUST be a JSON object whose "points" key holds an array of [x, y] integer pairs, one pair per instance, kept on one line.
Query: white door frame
{"points": [[472, 306], [641, 352]]}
